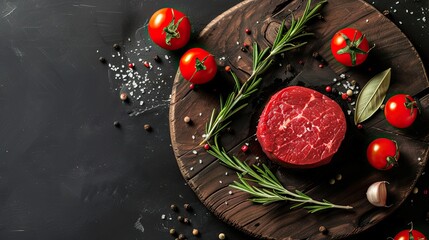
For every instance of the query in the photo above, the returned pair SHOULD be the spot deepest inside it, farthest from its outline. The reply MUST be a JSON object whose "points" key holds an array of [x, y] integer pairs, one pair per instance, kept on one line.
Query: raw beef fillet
{"points": [[301, 128]]}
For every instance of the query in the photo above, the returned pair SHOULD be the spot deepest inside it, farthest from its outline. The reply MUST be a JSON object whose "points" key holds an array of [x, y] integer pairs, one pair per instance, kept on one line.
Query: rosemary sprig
{"points": [[270, 189], [262, 60]]}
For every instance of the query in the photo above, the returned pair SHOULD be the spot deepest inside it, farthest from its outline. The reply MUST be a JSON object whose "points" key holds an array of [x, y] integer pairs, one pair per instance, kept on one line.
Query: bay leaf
{"points": [[372, 96]]}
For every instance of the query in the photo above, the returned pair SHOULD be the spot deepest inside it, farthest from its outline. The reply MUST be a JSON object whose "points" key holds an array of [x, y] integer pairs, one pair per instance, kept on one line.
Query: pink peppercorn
{"points": [[328, 89]]}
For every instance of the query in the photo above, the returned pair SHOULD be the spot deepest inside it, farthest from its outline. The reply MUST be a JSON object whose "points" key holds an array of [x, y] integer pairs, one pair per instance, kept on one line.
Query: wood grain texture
{"points": [[209, 179]]}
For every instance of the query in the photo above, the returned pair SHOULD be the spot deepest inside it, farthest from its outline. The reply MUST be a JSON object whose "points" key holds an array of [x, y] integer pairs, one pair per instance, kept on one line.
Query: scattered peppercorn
{"points": [[147, 127], [123, 96], [353, 82], [244, 148], [243, 49], [173, 232], [182, 236], [301, 62], [318, 57], [186, 220], [174, 207], [180, 218], [338, 177], [116, 124], [187, 206], [321, 65], [130, 65], [359, 126], [102, 59], [328, 89], [146, 64], [386, 12], [245, 45], [349, 92], [191, 86], [227, 68], [323, 229], [315, 55], [344, 96], [116, 46], [187, 119], [206, 146], [157, 59], [248, 31], [195, 232], [222, 236]]}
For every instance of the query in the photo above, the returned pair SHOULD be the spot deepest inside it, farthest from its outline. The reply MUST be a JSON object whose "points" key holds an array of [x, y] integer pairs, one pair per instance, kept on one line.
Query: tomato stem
{"points": [[352, 47], [171, 29], [409, 104], [199, 65]]}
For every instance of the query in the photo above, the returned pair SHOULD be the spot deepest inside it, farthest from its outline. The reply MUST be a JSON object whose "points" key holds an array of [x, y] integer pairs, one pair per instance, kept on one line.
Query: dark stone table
{"points": [[66, 171]]}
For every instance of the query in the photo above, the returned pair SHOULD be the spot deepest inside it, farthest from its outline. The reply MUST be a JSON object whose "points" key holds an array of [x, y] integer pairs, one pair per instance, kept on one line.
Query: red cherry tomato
{"points": [[382, 153], [169, 28], [198, 66], [350, 47], [401, 110], [410, 234]]}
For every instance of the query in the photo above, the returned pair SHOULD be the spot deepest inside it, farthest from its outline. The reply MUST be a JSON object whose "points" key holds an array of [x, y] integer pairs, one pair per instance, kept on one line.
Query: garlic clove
{"points": [[377, 194]]}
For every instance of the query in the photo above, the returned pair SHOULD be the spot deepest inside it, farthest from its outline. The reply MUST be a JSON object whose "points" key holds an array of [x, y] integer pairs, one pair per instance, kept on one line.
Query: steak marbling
{"points": [[301, 128]]}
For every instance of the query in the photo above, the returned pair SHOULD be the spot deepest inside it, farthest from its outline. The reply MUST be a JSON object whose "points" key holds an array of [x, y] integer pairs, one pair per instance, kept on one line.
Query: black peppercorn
{"points": [[116, 124], [186, 220], [187, 206], [182, 236], [174, 207], [323, 229], [386, 12], [243, 49], [102, 59], [147, 127], [116, 46], [318, 57], [157, 59], [180, 218]]}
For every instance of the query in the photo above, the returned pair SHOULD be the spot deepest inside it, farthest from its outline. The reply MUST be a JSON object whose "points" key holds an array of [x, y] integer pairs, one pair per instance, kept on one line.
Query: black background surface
{"points": [[66, 172]]}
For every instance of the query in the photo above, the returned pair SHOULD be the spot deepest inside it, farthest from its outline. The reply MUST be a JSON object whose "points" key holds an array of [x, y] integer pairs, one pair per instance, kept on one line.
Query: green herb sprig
{"points": [[270, 189], [262, 60]]}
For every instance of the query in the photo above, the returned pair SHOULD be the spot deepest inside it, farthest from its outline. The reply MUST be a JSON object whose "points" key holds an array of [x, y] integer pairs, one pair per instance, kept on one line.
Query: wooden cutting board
{"points": [[210, 180]]}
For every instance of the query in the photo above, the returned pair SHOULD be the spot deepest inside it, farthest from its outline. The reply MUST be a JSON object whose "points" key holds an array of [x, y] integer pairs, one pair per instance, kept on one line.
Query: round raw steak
{"points": [[301, 128]]}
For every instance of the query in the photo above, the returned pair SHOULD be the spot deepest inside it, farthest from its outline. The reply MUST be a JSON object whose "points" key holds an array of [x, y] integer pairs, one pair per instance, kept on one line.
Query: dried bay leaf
{"points": [[372, 96]]}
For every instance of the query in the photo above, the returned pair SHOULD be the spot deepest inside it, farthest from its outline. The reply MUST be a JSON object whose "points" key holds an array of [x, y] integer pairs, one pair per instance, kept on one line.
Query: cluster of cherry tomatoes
{"points": [[171, 29], [350, 47]]}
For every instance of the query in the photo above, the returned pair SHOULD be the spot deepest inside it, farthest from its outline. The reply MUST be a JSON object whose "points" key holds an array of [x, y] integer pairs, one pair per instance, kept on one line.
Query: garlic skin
{"points": [[377, 194]]}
